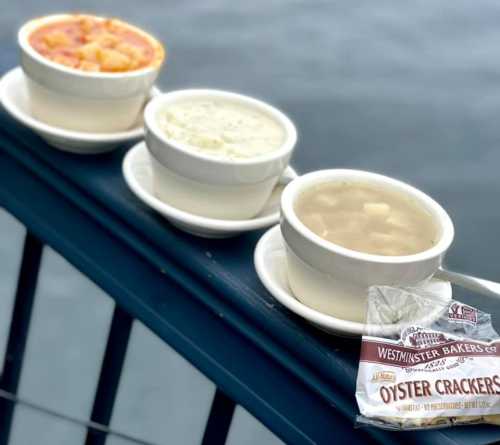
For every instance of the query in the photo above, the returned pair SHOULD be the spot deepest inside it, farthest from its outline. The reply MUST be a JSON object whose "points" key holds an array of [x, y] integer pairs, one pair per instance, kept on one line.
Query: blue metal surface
{"points": [[219, 419], [200, 296], [111, 371], [19, 328], [216, 337]]}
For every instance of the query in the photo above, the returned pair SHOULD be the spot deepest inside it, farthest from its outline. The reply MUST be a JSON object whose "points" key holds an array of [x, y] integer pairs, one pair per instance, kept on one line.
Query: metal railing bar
{"points": [[13, 399], [111, 370], [219, 419], [19, 328]]}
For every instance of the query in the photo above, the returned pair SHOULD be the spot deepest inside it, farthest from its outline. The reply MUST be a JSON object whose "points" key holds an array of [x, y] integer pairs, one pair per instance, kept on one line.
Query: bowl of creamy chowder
{"points": [[216, 154], [346, 230]]}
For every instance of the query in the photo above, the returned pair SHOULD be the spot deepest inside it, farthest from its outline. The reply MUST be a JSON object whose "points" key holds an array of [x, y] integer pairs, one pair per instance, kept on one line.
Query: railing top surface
{"points": [[225, 266]]}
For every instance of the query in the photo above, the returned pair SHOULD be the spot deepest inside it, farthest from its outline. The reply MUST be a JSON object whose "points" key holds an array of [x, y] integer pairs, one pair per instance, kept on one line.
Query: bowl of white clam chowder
{"points": [[216, 154]]}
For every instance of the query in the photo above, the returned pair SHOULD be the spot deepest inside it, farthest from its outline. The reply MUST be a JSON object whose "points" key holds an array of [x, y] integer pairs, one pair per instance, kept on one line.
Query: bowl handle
{"points": [[474, 284], [288, 176]]}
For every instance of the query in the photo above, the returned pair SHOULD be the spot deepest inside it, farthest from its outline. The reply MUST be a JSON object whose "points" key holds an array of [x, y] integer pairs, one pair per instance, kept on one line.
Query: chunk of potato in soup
{"points": [[367, 218]]}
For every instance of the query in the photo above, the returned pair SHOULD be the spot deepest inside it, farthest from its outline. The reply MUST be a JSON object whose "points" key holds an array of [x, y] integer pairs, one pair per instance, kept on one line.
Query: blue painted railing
{"points": [[202, 297]]}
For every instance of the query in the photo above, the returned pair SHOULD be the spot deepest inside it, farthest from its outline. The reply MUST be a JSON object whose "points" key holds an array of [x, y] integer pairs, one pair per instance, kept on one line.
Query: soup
{"points": [[221, 128], [367, 218], [94, 44]]}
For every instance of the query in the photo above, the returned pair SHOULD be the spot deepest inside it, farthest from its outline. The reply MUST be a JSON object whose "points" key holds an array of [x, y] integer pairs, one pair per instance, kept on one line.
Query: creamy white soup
{"points": [[221, 128], [367, 218]]}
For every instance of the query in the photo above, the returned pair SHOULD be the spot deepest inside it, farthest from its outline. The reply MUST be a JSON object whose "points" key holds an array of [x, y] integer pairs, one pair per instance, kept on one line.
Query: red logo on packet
{"points": [[425, 339], [462, 313]]}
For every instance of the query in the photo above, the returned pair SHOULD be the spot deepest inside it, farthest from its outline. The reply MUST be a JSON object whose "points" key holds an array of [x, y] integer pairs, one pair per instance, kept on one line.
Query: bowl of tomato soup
{"points": [[88, 73]]}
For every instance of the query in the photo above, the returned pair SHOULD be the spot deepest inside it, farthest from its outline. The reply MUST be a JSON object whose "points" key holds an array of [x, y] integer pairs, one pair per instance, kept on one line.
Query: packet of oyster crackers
{"points": [[437, 364]]}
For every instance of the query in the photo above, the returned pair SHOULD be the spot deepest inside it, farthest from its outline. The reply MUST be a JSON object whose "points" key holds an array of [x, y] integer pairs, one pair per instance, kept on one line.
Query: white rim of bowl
{"points": [[37, 125], [181, 215], [150, 120], [305, 181], [30, 26]]}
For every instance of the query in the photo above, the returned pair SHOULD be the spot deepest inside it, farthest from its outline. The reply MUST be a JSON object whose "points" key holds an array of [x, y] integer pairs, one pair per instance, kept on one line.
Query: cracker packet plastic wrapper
{"points": [[436, 363]]}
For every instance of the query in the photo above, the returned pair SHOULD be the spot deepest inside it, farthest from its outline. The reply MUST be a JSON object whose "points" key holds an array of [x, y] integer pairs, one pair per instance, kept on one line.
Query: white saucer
{"points": [[270, 264], [14, 98], [137, 172]]}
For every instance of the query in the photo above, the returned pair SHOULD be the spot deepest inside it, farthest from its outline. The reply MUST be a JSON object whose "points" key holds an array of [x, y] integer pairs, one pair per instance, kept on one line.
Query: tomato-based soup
{"points": [[94, 44]]}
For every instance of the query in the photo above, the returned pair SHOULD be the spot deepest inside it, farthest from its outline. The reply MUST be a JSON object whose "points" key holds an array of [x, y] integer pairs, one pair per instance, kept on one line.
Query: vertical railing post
{"points": [[111, 370], [219, 419], [19, 328]]}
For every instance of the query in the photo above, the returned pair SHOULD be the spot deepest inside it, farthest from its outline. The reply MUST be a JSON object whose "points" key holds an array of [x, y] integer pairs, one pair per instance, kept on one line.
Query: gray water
{"points": [[410, 89]]}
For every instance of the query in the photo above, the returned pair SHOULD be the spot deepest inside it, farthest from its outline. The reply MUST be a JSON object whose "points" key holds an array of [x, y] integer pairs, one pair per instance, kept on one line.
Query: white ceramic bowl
{"points": [[333, 279], [84, 101], [137, 172], [270, 264], [208, 186], [14, 98]]}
